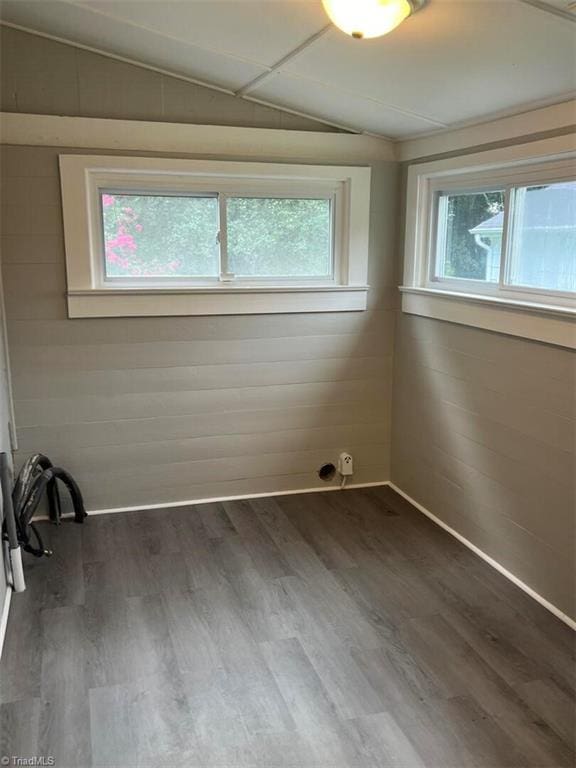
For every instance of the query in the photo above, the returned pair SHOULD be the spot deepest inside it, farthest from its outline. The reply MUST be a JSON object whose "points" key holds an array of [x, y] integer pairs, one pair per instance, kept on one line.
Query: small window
{"points": [[164, 236]]}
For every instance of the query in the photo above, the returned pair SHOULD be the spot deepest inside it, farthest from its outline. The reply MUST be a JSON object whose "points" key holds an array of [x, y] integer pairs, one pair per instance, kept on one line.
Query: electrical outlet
{"points": [[345, 465]]}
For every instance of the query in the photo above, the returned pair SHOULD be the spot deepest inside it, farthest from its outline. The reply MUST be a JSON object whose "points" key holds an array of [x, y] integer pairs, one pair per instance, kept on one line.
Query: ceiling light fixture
{"points": [[369, 18]]}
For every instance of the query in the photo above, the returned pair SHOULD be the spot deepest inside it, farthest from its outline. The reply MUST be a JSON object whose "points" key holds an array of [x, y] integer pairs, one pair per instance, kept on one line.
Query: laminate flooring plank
{"points": [[300, 685], [554, 706], [314, 587], [400, 681], [103, 537], [349, 690], [267, 558], [195, 548], [458, 733], [19, 728], [63, 584], [559, 638], [64, 729], [264, 604], [248, 683], [216, 521], [132, 722], [309, 747], [329, 616], [513, 666], [21, 663], [195, 651], [305, 516], [300, 557], [360, 527], [380, 741], [535, 642], [414, 534], [148, 534], [460, 672]]}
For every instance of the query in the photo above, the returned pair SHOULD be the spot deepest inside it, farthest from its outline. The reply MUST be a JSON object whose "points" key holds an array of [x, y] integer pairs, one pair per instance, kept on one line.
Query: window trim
{"points": [[552, 314], [90, 295]]}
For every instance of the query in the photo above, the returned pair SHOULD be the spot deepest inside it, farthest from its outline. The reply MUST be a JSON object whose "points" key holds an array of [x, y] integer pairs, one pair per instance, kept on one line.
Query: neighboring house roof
{"points": [[551, 207]]}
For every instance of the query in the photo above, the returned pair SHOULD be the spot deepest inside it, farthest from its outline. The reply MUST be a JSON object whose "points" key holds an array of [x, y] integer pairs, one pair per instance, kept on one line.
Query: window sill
{"points": [[217, 300], [540, 322]]}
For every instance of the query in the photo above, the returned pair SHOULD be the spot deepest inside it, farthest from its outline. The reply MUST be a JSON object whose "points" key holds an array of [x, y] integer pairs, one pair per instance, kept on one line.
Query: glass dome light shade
{"points": [[367, 18]]}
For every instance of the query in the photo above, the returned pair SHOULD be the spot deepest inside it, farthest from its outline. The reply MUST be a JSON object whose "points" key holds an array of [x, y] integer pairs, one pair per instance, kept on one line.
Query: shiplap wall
{"points": [[483, 436], [148, 410]]}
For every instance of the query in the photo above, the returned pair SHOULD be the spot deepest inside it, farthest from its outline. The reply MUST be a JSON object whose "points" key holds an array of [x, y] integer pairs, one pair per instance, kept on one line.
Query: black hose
{"points": [[37, 476], [75, 493], [27, 477]]}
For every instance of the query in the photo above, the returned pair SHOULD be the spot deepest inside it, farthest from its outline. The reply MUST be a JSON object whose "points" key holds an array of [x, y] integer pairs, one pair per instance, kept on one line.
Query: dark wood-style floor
{"points": [[326, 630]]}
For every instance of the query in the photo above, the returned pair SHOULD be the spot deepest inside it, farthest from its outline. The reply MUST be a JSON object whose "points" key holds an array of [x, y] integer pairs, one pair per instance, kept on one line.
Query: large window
{"points": [[209, 237], [491, 240]]}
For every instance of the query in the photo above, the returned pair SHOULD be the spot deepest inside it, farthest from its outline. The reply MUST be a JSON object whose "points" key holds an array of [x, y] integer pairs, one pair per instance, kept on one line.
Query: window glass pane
{"points": [[160, 236], [469, 237], [543, 251], [279, 237]]}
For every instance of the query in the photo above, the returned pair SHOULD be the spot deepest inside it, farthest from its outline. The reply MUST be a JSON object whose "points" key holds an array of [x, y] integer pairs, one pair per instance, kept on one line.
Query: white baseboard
{"points": [[4, 617], [494, 563], [322, 489], [214, 499]]}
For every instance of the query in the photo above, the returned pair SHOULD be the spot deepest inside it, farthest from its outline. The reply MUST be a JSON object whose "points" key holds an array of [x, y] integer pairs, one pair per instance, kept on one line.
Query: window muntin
{"points": [[463, 252], [527, 234], [543, 237]]}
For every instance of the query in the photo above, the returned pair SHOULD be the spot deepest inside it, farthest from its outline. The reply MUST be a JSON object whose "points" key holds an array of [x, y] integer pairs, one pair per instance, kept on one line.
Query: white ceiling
{"points": [[454, 62]]}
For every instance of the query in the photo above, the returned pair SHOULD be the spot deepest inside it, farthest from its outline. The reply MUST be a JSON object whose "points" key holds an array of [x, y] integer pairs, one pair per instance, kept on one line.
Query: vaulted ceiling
{"points": [[454, 62]]}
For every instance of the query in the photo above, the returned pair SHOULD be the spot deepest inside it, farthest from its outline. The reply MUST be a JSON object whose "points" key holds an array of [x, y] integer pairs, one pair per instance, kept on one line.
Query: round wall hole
{"points": [[327, 472]]}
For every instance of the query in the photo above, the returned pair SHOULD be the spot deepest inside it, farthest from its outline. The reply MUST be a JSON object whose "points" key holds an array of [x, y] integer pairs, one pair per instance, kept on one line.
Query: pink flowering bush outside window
{"points": [[160, 236]]}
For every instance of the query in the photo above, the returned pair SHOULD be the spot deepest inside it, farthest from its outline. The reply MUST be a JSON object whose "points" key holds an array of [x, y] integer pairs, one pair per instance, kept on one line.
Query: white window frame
{"points": [[523, 311], [90, 294]]}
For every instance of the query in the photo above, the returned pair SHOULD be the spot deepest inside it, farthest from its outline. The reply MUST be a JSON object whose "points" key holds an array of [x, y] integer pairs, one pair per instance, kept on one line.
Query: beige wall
{"points": [[150, 410], [484, 430]]}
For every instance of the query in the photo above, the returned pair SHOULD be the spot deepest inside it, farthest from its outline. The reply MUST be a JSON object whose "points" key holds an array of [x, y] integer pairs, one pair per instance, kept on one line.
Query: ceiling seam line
{"points": [[289, 111], [551, 9], [175, 75], [252, 84], [134, 25], [391, 107]]}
